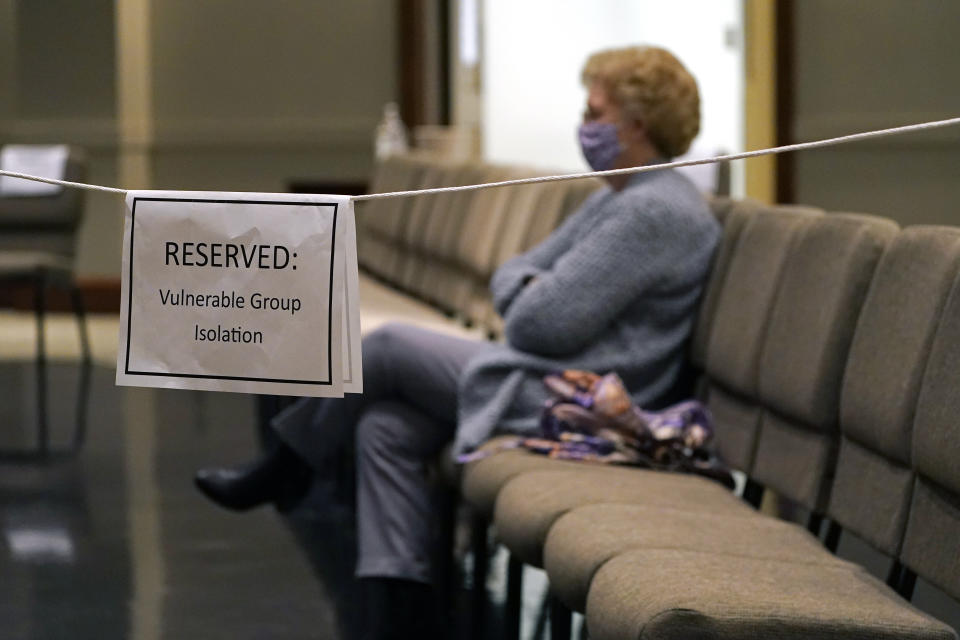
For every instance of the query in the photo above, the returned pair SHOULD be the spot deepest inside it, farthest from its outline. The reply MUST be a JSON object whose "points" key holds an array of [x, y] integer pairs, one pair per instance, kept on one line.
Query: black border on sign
{"points": [[333, 246]]}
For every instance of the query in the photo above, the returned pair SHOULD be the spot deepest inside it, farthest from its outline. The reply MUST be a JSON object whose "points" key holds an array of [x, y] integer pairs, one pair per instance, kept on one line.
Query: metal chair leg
{"points": [[80, 313], [447, 501], [753, 493], [832, 541], [902, 580], [908, 581], [894, 575], [39, 306], [561, 620], [481, 565], [86, 362], [815, 523], [514, 603]]}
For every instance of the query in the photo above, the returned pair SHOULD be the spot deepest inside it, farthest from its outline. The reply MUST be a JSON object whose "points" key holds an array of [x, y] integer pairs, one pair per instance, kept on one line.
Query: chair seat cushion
{"points": [[581, 541], [670, 594], [483, 479], [531, 503], [16, 263]]}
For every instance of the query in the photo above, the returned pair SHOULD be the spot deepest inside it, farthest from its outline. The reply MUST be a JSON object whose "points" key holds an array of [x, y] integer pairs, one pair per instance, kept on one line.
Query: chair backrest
{"points": [[471, 247], [46, 223], [482, 233], [394, 173], [405, 267], [824, 283], [873, 481], [445, 236], [381, 223], [931, 545], [739, 325], [733, 215], [447, 211], [423, 206]]}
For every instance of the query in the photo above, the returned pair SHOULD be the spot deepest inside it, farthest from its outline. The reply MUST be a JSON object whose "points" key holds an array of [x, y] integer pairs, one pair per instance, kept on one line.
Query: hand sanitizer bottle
{"points": [[391, 136]]}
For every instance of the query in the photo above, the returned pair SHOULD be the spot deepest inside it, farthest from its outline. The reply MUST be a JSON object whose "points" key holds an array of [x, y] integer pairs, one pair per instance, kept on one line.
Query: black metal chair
{"points": [[37, 246]]}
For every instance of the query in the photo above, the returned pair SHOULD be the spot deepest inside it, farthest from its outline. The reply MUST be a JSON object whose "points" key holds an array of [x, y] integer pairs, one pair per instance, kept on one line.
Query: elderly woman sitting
{"points": [[615, 288]]}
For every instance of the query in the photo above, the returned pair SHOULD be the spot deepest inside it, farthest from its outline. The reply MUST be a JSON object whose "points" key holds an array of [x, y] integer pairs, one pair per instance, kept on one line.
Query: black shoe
{"points": [[278, 476]]}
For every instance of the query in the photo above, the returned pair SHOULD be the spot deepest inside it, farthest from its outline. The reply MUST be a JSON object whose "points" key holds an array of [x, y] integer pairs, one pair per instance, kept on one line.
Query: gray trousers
{"points": [[405, 416]]}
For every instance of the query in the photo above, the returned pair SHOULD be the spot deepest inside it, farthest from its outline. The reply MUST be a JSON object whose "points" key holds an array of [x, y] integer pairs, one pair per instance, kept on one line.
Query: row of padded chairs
{"points": [[829, 351], [443, 248]]}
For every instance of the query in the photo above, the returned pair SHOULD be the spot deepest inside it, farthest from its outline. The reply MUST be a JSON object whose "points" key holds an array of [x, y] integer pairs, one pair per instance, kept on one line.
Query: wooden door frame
{"points": [[785, 100], [419, 55]]}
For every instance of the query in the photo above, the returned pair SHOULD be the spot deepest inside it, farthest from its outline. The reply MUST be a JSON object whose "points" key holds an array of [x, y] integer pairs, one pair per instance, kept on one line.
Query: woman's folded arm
{"points": [[568, 306]]}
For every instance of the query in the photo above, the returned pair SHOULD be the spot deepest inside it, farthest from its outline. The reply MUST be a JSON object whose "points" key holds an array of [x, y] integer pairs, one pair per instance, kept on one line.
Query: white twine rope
{"points": [[63, 183], [816, 144], [672, 165]]}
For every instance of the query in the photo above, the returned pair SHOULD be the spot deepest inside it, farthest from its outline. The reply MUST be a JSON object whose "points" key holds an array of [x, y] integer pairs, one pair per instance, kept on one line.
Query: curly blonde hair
{"points": [[651, 85]]}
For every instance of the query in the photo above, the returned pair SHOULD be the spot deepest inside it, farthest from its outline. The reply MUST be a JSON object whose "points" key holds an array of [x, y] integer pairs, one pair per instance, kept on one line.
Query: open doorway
{"points": [[528, 60]]}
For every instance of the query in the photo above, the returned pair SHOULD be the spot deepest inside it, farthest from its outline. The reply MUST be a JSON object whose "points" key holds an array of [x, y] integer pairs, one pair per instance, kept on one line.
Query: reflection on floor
{"points": [[115, 542]]}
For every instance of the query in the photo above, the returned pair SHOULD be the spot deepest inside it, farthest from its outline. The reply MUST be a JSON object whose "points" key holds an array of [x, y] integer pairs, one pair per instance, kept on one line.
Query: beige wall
{"points": [[861, 66], [244, 96], [301, 82], [59, 87], [8, 63]]}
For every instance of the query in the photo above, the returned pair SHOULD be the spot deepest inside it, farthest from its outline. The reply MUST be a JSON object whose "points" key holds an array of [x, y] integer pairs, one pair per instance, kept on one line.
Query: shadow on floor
{"points": [[115, 542]]}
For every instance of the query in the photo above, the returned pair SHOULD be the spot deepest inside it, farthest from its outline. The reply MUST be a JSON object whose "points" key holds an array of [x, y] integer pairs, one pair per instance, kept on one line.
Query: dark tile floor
{"points": [[115, 542]]}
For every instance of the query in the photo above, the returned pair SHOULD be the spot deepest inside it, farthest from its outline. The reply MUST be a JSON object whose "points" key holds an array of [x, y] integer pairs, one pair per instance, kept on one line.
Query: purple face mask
{"points": [[600, 144]]}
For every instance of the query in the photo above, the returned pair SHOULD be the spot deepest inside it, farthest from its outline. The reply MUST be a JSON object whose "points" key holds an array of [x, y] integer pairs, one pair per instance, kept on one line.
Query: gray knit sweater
{"points": [[615, 288]]}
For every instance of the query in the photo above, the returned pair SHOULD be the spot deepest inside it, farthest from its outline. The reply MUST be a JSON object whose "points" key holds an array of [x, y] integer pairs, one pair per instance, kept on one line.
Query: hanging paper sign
{"points": [[245, 292], [352, 358]]}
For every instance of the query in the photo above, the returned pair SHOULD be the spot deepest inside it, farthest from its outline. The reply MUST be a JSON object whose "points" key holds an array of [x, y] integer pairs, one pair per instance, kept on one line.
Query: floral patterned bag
{"points": [[592, 418]]}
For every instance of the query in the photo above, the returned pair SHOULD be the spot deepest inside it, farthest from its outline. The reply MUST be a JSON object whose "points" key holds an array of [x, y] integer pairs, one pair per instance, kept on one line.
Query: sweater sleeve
{"points": [[509, 279], [589, 286], [514, 274]]}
